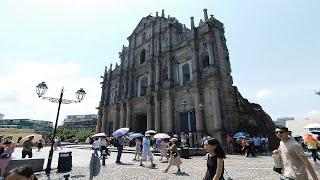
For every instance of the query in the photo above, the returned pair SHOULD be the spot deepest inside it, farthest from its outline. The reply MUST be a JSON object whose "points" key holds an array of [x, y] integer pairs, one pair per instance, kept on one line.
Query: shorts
{"points": [[146, 154]]}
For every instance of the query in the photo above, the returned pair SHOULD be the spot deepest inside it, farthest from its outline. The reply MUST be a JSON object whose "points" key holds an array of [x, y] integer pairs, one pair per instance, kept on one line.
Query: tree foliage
{"points": [[70, 134], [318, 93]]}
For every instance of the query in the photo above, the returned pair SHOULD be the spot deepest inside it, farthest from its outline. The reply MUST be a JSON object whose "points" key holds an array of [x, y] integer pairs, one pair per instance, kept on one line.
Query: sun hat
{"points": [[173, 140], [147, 134]]}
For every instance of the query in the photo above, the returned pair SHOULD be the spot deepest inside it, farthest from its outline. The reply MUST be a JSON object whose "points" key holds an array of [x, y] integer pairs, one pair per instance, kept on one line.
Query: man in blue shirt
{"points": [[146, 152]]}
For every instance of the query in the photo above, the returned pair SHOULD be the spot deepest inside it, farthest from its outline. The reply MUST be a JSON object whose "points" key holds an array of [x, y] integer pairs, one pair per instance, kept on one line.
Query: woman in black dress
{"points": [[215, 162]]}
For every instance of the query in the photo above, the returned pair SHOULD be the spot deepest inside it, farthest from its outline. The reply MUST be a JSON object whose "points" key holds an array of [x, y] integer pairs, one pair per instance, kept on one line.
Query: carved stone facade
{"points": [[173, 79]]}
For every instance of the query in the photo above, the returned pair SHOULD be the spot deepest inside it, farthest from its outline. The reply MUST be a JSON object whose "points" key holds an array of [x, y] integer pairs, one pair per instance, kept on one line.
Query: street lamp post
{"points": [[41, 90]]}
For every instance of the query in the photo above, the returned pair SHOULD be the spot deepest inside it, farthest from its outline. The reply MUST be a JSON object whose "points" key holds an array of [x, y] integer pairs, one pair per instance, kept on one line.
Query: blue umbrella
{"points": [[240, 134], [129, 133], [120, 132], [135, 135]]}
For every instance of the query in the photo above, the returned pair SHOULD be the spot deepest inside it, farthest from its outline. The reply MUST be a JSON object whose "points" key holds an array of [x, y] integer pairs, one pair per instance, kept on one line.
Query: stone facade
{"points": [[173, 79]]}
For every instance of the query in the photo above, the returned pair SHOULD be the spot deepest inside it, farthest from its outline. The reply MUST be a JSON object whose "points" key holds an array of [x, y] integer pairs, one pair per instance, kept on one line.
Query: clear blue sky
{"points": [[273, 45]]}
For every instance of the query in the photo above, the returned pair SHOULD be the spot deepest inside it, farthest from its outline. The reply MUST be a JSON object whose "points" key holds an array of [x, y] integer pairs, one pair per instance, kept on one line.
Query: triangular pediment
{"points": [[144, 22]]}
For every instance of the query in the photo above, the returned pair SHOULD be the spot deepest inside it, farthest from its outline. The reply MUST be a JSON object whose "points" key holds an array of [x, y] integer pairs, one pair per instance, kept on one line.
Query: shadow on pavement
{"points": [[182, 174]]}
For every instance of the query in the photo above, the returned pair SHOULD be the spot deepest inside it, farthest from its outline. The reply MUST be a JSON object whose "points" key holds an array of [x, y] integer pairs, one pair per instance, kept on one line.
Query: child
{"points": [[163, 149], [138, 148]]}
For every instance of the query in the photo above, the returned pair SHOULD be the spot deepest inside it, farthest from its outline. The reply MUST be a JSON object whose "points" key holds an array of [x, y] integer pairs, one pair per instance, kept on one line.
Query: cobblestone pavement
{"points": [[237, 166]]}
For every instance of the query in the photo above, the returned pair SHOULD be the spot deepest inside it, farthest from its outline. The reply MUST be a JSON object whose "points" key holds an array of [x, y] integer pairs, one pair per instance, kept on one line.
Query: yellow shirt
{"points": [[311, 144]]}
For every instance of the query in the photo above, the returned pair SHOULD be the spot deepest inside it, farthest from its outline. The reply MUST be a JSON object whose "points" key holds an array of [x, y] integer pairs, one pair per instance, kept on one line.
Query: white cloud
{"points": [[18, 98], [263, 94], [314, 114]]}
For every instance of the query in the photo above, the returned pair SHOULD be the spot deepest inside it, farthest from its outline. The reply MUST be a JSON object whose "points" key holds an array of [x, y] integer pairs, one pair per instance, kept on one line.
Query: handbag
{"points": [[228, 176]]}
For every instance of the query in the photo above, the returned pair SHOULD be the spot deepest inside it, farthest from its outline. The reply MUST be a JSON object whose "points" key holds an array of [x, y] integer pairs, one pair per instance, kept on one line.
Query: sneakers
{"points": [[153, 165], [165, 171], [179, 171]]}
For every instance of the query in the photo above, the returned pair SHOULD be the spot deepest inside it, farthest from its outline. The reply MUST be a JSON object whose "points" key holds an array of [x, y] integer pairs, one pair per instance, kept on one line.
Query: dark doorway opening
{"points": [[140, 124], [188, 122]]}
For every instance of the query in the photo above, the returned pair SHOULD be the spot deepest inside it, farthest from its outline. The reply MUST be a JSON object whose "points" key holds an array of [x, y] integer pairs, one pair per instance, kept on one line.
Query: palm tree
{"points": [[317, 92]]}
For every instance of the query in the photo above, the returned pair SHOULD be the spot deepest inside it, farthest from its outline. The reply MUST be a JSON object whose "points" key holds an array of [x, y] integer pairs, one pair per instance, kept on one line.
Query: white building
{"points": [[297, 126]]}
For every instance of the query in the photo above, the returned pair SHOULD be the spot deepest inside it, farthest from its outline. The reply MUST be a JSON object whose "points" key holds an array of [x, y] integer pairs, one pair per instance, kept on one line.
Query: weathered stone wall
{"points": [[209, 94]]}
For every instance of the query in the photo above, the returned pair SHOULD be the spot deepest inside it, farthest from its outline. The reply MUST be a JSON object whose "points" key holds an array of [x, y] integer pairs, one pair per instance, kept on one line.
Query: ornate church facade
{"points": [[173, 79]]}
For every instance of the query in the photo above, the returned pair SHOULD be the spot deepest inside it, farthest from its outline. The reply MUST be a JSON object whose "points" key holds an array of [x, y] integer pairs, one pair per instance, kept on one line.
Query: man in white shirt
{"points": [[295, 162]]}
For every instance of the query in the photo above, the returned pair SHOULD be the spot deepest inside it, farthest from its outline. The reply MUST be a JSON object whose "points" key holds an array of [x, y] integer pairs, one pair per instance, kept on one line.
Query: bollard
{"points": [[103, 153], [66, 176]]}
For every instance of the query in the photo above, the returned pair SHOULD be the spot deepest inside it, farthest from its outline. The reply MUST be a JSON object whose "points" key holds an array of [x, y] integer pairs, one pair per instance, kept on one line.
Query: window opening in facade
{"points": [[142, 56], [205, 61], [143, 86], [185, 73]]}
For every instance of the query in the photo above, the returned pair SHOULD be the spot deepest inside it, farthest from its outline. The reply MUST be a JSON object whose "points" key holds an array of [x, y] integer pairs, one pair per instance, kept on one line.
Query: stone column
{"points": [[125, 86], [104, 120], [130, 86], [205, 14], [157, 124], [210, 52], [216, 111], [157, 75], [199, 113], [122, 116], [169, 114], [195, 62], [117, 119], [149, 113], [128, 121], [150, 79], [192, 22], [170, 68], [99, 122]]}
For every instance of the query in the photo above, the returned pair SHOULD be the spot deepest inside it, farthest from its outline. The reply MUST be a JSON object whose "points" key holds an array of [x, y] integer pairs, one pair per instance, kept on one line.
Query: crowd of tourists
{"points": [[247, 145], [168, 148]]}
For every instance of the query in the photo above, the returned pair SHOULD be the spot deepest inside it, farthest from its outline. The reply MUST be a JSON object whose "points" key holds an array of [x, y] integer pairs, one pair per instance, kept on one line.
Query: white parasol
{"points": [[99, 135], [161, 136]]}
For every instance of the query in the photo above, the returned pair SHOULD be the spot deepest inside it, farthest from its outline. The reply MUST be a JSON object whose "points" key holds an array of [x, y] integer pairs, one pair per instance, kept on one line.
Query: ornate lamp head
{"points": [[41, 89], [80, 94]]}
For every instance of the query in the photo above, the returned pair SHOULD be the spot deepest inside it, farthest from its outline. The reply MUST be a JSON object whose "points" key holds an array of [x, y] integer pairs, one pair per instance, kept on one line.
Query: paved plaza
{"points": [[238, 166]]}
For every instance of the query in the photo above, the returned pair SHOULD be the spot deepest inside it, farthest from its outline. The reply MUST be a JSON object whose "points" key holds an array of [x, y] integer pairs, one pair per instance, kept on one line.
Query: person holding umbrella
{"points": [[146, 152], [174, 156], [119, 142], [27, 147]]}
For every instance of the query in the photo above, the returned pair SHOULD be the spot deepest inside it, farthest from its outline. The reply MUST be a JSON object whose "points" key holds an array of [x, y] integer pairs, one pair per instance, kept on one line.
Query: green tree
{"points": [[318, 92]]}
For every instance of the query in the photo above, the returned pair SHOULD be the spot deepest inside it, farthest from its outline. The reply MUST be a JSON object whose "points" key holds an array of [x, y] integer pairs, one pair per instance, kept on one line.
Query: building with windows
{"points": [[81, 122], [39, 126], [282, 121], [174, 79]]}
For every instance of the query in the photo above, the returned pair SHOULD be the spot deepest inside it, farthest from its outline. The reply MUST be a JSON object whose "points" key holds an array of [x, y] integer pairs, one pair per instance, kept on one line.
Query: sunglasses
{"points": [[280, 132]]}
